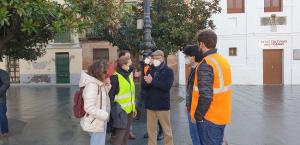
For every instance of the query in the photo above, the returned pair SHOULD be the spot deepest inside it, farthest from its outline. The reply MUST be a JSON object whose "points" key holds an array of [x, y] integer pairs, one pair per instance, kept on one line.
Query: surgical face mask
{"points": [[156, 63], [147, 61], [187, 60]]}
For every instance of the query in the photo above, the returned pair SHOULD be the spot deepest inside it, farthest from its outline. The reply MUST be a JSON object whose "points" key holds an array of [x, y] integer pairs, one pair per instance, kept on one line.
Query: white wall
{"points": [[244, 31], [181, 68]]}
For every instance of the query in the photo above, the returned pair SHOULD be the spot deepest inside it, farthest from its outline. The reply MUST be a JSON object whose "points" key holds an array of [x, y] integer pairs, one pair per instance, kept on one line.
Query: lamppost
{"points": [[148, 45]]}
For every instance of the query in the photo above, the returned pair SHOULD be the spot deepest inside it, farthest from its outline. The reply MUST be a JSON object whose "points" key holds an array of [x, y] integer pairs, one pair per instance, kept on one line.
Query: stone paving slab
{"points": [[262, 115]]}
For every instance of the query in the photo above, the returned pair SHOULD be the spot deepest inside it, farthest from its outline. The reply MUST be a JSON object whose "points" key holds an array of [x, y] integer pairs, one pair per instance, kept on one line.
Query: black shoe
{"points": [[146, 135], [160, 136]]}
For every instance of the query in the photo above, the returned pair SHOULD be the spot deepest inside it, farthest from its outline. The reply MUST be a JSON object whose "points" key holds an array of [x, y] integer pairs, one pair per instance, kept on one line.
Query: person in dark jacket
{"points": [[4, 85], [126, 53], [157, 85], [193, 57], [122, 53], [122, 95], [147, 64]]}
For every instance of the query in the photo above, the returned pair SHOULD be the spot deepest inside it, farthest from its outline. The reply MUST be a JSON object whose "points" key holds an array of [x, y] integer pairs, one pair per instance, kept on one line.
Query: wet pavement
{"points": [[262, 115]]}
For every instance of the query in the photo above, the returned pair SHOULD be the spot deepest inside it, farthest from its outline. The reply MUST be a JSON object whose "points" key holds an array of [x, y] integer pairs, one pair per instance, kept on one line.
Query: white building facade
{"points": [[261, 39]]}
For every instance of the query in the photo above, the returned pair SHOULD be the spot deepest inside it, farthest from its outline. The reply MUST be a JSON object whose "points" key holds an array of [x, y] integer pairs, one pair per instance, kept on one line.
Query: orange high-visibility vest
{"points": [[146, 68], [219, 111]]}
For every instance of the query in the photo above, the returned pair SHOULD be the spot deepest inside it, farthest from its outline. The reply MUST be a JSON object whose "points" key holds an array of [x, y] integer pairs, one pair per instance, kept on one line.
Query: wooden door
{"points": [[272, 66], [62, 63]]}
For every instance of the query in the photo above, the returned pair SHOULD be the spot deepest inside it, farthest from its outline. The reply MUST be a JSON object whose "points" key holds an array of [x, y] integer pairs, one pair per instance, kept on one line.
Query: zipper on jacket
{"points": [[93, 120], [100, 102]]}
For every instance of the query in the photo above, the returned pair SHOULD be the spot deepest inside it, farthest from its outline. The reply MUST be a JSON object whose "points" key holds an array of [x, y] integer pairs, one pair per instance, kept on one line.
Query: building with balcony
{"points": [[61, 64]]}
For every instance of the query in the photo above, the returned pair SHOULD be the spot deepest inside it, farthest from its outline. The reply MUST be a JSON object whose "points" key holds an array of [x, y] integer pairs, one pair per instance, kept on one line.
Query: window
{"points": [[232, 51], [235, 6], [13, 69], [100, 54], [273, 5], [296, 54]]}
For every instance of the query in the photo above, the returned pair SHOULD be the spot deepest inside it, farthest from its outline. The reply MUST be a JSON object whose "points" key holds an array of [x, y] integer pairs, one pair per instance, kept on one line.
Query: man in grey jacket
{"points": [[4, 85]]}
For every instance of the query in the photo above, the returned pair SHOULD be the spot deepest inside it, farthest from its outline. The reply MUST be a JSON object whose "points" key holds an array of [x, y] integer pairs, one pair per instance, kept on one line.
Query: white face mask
{"points": [[156, 63], [187, 60], [147, 61]]}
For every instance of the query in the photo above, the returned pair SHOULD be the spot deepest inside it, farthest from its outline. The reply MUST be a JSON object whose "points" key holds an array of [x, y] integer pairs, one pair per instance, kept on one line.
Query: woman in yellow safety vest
{"points": [[122, 95]]}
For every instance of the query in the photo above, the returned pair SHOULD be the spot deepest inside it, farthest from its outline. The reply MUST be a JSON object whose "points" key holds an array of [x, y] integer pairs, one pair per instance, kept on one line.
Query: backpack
{"points": [[78, 108]]}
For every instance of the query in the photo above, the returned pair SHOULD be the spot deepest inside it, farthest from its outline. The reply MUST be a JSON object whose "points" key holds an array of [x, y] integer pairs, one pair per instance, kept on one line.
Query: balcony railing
{"points": [[63, 37], [92, 34]]}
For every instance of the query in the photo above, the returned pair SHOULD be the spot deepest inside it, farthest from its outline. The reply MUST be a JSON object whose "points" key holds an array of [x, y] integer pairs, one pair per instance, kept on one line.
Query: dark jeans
{"points": [[3, 118], [210, 134], [194, 131]]}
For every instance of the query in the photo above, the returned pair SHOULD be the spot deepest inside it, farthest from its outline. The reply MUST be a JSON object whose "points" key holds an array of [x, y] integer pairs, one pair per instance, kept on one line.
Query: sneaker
{"points": [[146, 135]]}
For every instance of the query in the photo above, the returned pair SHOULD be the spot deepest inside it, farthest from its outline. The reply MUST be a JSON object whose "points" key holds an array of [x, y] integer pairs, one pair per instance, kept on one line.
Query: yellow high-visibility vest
{"points": [[126, 95]]}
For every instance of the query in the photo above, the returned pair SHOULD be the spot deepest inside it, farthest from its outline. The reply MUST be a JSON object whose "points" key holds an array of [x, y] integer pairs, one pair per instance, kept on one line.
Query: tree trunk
{"points": [[3, 43]]}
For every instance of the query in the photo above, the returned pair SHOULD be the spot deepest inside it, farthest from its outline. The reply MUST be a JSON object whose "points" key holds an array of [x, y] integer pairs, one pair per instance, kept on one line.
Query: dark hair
{"points": [[208, 37], [122, 61], [98, 69], [193, 50], [122, 53]]}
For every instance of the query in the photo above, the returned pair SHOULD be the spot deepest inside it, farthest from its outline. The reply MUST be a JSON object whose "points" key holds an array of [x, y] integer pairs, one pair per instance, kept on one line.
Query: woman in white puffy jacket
{"points": [[96, 101]]}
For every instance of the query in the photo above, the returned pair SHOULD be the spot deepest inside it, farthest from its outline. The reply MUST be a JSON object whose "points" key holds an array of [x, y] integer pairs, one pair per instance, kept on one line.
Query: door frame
{"points": [[282, 65], [56, 77]]}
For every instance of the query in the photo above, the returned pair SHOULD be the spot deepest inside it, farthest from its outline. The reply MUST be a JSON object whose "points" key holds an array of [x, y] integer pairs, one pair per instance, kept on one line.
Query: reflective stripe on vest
{"points": [[219, 111], [126, 95], [222, 88]]}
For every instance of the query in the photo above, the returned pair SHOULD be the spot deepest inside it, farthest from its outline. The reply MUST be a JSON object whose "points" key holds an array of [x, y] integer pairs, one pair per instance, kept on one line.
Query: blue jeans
{"points": [[3, 118], [194, 131], [98, 138], [210, 134]]}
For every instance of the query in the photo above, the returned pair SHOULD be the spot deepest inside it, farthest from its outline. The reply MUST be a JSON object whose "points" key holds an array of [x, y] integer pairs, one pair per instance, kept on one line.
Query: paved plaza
{"points": [[261, 115]]}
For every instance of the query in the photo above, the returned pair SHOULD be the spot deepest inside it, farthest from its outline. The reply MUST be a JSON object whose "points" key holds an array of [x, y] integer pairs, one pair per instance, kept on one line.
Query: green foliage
{"points": [[126, 36], [26, 26], [174, 24]]}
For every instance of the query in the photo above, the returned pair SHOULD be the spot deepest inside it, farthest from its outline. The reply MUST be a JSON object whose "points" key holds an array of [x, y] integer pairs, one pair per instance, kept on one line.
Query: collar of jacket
{"points": [[86, 78], [131, 68], [124, 73], [209, 52], [195, 65]]}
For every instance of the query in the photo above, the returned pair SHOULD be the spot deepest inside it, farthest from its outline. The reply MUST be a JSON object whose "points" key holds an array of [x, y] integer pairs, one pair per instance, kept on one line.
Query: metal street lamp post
{"points": [[148, 45]]}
